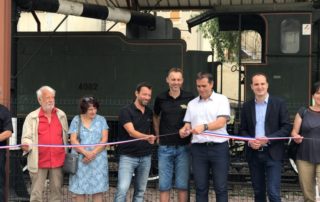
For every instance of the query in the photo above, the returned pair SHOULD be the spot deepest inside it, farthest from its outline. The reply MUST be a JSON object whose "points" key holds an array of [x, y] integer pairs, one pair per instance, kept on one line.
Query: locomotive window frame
{"points": [[290, 32]]}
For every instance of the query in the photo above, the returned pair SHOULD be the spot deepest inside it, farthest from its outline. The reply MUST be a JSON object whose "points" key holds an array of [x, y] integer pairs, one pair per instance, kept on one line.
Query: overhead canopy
{"points": [[180, 4], [132, 11]]}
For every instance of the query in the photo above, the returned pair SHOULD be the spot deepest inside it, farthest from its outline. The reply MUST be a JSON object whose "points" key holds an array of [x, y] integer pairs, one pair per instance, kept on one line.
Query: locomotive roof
{"points": [[182, 4]]}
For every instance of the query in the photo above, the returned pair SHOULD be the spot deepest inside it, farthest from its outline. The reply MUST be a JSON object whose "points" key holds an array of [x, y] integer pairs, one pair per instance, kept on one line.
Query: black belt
{"points": [[208, 143], [263, 149]]}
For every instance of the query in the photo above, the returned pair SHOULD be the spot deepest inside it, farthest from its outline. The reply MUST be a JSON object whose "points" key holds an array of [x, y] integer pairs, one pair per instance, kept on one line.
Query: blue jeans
{"points": [[140, 167], [265, 176], [173, 160], [212, 156]]}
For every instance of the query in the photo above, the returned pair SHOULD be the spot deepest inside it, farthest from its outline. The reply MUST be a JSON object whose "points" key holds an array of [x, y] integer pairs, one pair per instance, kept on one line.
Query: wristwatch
{"points": [[205, 126]]}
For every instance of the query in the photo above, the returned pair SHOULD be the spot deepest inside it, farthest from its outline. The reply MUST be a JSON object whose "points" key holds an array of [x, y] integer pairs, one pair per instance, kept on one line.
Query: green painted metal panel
{"points": [[105, 65]]}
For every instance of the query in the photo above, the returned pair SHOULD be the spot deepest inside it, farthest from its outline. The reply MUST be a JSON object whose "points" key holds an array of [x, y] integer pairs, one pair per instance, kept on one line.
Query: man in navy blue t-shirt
{"points": [[135, 122]]}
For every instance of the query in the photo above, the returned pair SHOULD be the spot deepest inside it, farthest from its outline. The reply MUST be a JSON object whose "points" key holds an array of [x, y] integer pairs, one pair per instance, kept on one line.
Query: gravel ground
{"points": [[237, 194]]}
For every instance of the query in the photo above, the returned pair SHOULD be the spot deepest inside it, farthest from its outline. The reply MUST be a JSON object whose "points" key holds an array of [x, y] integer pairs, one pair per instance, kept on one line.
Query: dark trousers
{"points": [[2, 173], [210, 156], [265, 176]]}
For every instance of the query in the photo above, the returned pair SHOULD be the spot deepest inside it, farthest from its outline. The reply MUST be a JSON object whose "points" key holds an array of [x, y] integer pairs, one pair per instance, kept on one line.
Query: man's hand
{"points": [[198, 129], [255, 144], [25, 148], [184, 132], [263, 140], [151, 139]]}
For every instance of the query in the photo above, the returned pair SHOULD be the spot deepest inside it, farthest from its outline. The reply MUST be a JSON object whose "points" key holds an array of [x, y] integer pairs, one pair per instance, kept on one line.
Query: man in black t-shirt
{"points": [[135, 122], [173, 153], [6, 130]]}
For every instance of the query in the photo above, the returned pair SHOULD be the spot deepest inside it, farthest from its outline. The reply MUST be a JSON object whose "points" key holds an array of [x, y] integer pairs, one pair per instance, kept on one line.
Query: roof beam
{"points": [[89, 10]]}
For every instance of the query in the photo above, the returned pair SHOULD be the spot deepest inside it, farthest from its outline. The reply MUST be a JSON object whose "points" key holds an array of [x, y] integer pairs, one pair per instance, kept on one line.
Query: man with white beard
{"points": [[45, 125]]}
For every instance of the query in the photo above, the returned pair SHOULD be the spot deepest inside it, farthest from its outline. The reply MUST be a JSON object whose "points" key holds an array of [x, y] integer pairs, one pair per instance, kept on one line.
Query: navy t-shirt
{"points": [[142, 122], [5, 121], [172, 111]]}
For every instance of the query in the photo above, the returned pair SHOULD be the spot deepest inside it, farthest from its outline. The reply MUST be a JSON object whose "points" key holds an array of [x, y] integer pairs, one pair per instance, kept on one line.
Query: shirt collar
{"points": [[41, 112], [210, 98], [169, 96], [266, 100], [137, 109]]}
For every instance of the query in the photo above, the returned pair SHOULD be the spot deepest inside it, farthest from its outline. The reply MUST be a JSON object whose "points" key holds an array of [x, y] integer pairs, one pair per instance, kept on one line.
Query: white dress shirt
{"points": [[201, 111]]}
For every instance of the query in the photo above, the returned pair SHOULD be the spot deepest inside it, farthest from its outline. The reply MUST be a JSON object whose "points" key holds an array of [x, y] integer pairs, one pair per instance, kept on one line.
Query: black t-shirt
{"points": [[5, 121], [142, 122], [172, 112]]}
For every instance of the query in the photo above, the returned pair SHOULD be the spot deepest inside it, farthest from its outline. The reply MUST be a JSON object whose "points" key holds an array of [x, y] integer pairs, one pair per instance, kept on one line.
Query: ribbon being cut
{"points": [[209, 133]]}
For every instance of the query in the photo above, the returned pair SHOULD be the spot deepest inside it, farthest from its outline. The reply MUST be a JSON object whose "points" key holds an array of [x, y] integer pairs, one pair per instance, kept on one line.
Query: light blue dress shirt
{"points": [[261, 109]]}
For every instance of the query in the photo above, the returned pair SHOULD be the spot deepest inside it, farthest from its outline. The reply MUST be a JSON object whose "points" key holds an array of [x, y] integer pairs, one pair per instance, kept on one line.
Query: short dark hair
{"points": [[85, 103], [175, 69], [143, 84], [315, 87], [259, 74], [202, 75]]}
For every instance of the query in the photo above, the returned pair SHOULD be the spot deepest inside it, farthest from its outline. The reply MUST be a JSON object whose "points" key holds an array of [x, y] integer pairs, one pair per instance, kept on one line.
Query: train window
{"points": [[251, 46], [290, 36]]}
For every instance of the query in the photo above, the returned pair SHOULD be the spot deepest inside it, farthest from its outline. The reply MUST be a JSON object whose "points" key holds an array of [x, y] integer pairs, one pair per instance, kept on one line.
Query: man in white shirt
{"points": [[208, 112]]}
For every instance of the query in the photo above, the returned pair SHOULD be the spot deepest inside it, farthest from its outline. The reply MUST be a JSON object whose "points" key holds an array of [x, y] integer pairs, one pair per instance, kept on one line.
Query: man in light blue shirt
{"points": [[261, 108], [263, 117]]}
